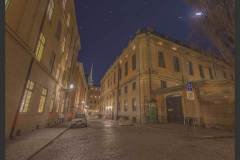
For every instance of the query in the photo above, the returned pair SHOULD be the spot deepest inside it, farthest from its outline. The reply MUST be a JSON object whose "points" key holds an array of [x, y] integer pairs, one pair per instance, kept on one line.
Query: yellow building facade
{"points": [[150, 62], [41, 46]]}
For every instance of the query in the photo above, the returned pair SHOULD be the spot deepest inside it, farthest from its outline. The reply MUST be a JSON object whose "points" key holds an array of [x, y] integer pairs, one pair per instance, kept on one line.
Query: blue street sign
{"points": [[189, 86]]}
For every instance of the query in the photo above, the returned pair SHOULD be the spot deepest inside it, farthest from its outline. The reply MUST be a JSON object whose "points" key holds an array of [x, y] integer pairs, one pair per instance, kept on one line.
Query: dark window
{"points": [[119, 107], [133, 85], [51, 61], [190, 68], [134, 62], [134, 106], [232, 77], [163, 84], [126, 68], [114, 78], [210, 73], [120, 73], [161, 60], [201, 71], [58, 30], [119, 92], [125, 106], [126, 89], [224, 75], [176, 63]]}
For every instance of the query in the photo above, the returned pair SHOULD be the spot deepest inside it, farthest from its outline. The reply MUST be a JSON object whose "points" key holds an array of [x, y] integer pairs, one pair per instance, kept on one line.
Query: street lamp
{"points": [[71, 86]]}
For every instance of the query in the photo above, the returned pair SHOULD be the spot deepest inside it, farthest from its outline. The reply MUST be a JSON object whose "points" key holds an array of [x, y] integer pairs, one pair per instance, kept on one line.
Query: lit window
{"points": [[50, 9], [63, 44], [42, 100], [7, 3], [68, 19], [64, 3], [51, 105], [27, 96], [40, 47]]}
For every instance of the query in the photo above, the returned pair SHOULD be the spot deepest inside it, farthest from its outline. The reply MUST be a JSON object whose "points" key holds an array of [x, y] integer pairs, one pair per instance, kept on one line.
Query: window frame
{"points": [[27, 97], [161, 59]]}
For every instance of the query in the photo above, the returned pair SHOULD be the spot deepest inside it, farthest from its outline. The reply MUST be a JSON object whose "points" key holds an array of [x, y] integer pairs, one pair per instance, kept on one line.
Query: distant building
{"points": [[93, 95], [153, 69], [93, 99], [42, 44]]}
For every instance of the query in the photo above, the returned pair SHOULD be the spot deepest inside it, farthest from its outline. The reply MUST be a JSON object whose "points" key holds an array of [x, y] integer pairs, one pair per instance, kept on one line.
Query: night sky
{"points": [[105, 27]]}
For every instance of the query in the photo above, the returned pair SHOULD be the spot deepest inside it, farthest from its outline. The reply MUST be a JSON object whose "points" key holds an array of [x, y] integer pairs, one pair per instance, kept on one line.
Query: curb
{"points": [[51, 141], [214, 137]]}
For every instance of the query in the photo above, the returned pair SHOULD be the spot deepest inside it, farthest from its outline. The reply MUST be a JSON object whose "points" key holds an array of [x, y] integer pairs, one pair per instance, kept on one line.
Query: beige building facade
{"points": [[93, 99], [41, 46], [150, 62]]}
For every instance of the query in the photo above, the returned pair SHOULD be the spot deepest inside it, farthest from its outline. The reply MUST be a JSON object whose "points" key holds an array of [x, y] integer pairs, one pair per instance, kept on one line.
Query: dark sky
{"points": [[105, 27]]}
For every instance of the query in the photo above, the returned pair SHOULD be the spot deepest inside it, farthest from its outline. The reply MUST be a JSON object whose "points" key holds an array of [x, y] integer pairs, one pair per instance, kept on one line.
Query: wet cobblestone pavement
{"points": [[104, 140]]}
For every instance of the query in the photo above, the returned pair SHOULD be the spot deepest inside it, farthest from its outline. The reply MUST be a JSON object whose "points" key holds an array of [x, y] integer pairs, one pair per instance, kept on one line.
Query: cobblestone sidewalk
{"points": [[202, 133], [23, 147]]}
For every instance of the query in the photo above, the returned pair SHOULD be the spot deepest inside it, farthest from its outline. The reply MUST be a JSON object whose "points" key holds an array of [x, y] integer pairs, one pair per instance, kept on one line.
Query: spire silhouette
{"points": [[90, 77]]}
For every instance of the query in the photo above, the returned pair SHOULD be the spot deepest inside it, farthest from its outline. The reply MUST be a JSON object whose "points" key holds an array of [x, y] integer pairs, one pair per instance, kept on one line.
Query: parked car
{"points": [[79, 120]]}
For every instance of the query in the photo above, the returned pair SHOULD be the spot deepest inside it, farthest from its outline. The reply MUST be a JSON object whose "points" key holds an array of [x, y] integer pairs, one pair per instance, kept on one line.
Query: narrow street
{"points": [[105, 140]]}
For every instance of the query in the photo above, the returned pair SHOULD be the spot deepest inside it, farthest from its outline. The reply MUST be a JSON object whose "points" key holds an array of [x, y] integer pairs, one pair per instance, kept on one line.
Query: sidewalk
{"points": [[198, 132], [24, 147]]}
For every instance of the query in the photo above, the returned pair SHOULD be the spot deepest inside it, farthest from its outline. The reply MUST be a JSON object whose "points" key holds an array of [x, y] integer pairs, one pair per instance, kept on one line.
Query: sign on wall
{"points": [[190, 93]]}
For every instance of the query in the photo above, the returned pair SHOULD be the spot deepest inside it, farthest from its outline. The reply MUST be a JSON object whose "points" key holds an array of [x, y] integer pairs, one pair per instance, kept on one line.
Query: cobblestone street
{"points": [[105, 140]]}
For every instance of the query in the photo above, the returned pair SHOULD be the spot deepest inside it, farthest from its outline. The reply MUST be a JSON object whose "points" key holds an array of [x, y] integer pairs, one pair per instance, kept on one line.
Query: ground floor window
{"points": [[42, 100], [27, 96]]}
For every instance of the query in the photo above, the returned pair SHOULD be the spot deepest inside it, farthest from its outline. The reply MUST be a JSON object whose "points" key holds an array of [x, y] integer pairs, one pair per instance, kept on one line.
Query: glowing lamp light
{"points": [[71, 86], [174, 48], [198, 13]]}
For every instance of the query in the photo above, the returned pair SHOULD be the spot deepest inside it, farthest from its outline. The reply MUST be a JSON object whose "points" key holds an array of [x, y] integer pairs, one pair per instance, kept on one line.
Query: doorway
{"points": [[174, 109]]}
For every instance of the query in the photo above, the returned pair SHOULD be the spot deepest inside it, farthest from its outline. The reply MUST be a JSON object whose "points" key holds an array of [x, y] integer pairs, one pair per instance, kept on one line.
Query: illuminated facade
{"points": [[153, 62], [42, 44]]}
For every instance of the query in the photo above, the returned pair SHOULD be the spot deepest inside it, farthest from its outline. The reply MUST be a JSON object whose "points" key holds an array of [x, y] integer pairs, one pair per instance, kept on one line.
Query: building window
{"points": [[27, 96], [210, 73], [119, 92], [133, 85], [163, 84], [161, 60], [51, 108], [64, 3], [126, 68], [40, 47], [134, 62], [224, 75], [58, 30], [201, 71], [68, 19], [190, 68], [51, 61], [7, 3], [125, 89], [119, 106], [176, 64], [42, 100], [134, 105], [120, 73], [125, 106], [63, 44], [50, 9], [114, 78]]}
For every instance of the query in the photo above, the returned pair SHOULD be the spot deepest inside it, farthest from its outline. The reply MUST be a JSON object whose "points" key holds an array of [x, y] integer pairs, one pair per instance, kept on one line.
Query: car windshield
{"points": [[80, 115]]}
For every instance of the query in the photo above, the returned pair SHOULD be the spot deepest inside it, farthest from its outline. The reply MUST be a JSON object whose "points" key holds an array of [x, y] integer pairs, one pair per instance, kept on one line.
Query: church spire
{"points": [[90, 77]]}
